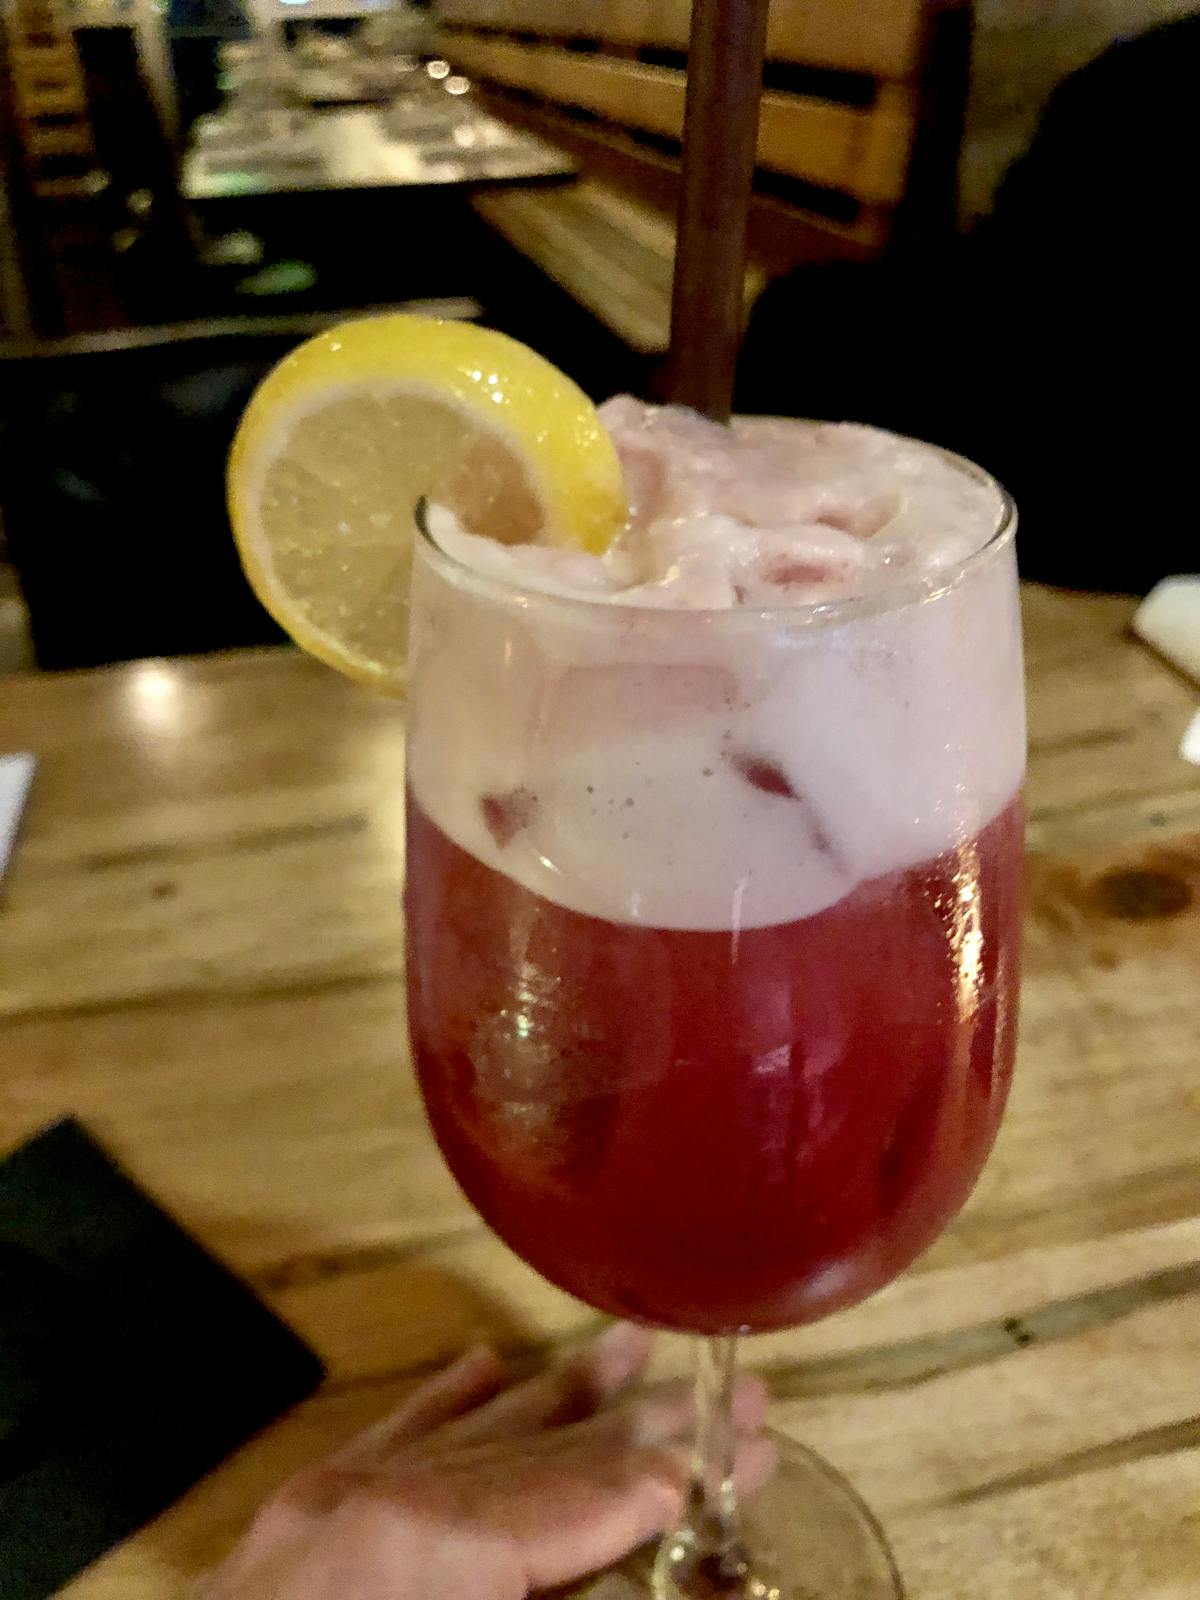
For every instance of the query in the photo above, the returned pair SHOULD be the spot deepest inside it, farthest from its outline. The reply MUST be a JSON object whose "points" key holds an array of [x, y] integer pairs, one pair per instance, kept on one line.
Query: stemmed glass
{"points": [[713, 937]]}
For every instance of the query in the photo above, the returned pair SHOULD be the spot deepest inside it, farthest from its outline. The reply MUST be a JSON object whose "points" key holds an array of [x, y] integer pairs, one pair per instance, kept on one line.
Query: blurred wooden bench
{"points": [[858, 144]]}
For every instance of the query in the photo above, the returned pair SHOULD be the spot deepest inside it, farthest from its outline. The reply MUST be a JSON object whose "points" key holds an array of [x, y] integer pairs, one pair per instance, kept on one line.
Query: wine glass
{"points": [[713, 924]]}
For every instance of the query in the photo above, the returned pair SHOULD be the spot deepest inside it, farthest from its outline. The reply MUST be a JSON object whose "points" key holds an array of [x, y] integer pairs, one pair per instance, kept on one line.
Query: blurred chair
{"points": [[112, 485], [101, 236], [51, 174], [152, 246]]}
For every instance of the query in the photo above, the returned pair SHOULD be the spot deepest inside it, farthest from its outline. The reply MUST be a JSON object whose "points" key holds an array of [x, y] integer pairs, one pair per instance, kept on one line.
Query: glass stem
{"points": [[707, 1559], [711, 1519]]}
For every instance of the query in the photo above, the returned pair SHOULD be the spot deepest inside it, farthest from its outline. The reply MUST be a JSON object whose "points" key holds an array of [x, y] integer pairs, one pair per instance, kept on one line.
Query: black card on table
{"points": [[131, 1362]]}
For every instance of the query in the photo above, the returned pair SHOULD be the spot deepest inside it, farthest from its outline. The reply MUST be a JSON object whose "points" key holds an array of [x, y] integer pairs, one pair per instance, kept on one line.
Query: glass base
{"points": [[809, 1535]]}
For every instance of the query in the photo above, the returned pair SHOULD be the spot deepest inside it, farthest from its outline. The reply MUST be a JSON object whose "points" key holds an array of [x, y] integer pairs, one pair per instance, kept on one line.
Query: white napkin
{"points": [[1168, 619], [16, 774]]}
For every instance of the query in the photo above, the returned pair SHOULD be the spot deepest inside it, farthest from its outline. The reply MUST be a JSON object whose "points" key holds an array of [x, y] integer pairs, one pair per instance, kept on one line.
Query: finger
{"points": [[750, 1403], [470, 1381], [608, 1505], [753, 1464], [574, 1388], [661, 1414], [597, 1510], [667, 1411]]}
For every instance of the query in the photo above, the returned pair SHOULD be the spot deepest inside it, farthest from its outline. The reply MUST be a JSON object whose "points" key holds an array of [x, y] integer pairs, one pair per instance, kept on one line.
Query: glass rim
{"points": [[916, 590]]}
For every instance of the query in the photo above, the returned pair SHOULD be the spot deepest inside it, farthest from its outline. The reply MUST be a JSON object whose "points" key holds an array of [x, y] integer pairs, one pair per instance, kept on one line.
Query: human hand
{"points": [[478, 1488]]}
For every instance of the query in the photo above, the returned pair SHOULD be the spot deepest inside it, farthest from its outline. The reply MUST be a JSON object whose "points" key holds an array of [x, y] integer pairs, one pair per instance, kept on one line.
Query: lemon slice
{"points": [[351, 430]]}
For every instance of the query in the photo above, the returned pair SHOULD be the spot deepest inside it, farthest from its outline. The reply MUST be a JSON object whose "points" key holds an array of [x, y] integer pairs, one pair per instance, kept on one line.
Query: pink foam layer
{"points": [[643, 759], [762, 513]]}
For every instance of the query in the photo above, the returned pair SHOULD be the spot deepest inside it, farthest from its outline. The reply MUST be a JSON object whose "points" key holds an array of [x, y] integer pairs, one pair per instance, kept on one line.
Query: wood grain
{"points": [[781, 235], [611, 254], [658, 22], [876, 36], [200, 954], [862, 153]]}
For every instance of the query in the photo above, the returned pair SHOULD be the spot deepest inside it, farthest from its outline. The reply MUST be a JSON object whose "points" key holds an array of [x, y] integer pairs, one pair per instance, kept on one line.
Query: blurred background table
{"points": [[201, 956], [359, 147]]}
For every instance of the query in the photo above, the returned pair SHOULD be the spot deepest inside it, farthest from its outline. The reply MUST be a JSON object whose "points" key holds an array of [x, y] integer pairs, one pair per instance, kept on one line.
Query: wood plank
{"points": [[781, 234], [613, 256], [64, 99], [1100, 702], [860, 153], [881, 37], [31, 60], [627, 289], [74, 140], [629, 22], [39, 79], [202, 818]]}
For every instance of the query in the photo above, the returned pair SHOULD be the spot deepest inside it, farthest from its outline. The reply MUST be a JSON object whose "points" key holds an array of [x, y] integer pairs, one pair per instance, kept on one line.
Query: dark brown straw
{"points": [[720, 137]]}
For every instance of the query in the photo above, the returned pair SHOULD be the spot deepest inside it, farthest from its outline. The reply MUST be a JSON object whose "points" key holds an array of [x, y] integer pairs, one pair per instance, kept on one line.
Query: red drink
{"points": [[708, 1130]]}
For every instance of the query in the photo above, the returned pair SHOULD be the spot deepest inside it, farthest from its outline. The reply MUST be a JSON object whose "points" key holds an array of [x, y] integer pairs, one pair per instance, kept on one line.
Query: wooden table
{"points": [[200, 954]]}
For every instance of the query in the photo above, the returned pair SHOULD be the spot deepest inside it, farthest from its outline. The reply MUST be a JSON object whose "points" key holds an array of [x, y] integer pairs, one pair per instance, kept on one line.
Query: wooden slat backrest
{"points": [[616, 256], [878, 37], [855, 154], [656, 22], [38, 61], [859, 152], [47, 88]]}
